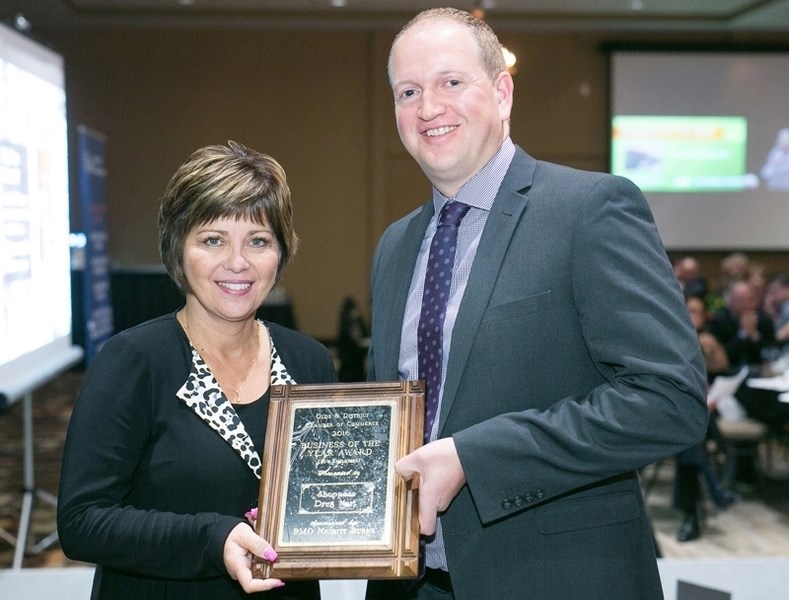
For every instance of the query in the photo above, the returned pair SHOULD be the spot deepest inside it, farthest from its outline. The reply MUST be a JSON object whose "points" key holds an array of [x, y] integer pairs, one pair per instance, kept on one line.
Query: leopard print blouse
{"points": [[201, 393]]}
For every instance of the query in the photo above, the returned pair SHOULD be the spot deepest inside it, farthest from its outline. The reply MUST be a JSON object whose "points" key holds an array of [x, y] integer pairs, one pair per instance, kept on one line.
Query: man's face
{"points": [[450, 116], [742, 299]]}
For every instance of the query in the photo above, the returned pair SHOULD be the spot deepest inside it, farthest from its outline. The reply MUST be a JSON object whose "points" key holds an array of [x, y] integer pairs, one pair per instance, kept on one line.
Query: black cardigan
{"points": [[148, 491]]}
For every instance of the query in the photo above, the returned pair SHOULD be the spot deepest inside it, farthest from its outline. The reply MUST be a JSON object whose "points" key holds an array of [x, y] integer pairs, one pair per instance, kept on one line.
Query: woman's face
{"points": [[231, 266], [698, 313]]}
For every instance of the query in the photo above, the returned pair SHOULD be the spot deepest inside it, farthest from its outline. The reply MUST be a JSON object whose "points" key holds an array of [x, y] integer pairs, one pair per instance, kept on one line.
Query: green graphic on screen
{"points": [[681, 153]]}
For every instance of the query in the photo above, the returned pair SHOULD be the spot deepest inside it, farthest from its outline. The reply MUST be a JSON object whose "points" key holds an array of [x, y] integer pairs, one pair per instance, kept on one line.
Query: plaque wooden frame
{"points": [[356, 430]]}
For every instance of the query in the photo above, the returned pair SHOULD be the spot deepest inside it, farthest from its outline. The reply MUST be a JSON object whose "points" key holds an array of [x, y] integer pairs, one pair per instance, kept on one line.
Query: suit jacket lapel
{"points": [[404, 271], [505, 214]]}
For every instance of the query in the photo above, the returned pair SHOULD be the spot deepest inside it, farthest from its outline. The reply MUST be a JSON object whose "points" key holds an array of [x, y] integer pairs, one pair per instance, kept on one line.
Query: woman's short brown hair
{"points": [[223, 181]]}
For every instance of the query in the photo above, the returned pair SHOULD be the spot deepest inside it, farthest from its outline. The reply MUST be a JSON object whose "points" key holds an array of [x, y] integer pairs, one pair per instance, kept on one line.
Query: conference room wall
{"points": [[319, 102], [158, 95]]}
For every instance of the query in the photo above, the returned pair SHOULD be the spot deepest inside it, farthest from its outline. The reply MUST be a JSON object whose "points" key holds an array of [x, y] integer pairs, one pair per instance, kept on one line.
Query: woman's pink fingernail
{"points": [[270, 554], [252, 514]]}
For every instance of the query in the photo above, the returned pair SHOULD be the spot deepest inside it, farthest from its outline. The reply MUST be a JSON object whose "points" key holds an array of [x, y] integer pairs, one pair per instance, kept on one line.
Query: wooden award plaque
{"points": [[331, 503]]}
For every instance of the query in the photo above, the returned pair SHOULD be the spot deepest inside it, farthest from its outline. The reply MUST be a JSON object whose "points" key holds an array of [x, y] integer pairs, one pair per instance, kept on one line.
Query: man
{"points": [[691, 281], [743, 328], [776, 305], [568, 358]]}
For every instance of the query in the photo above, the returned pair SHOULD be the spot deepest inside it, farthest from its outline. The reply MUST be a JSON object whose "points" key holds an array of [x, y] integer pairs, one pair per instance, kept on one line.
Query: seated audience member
{"points": [[776, 305], [694, 463], [690, 466], [715, 358], [688, 273], [733, 268], [757, 279], [743, 328]]}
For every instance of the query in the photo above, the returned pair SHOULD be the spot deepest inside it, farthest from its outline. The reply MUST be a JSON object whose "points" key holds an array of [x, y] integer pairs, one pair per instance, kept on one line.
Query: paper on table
{"points": [[721, 395], [726, 385], [779, 383]]}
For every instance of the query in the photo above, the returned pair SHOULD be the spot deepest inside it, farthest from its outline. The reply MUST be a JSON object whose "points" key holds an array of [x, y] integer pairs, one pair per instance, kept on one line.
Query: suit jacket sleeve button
{"points": [[518, 501], [506, 504], [540, 494]]}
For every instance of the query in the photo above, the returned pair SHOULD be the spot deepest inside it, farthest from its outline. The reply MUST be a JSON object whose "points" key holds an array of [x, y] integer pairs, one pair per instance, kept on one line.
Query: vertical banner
{"points": [[97, 305]]}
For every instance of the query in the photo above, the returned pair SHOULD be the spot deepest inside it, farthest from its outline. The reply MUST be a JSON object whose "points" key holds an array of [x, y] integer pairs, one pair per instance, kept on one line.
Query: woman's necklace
{"points": [[203, 353]]}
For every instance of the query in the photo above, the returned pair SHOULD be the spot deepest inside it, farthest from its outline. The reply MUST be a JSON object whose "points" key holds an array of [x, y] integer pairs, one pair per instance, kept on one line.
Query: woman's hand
{"points": [[240, 546], [252, 517]]}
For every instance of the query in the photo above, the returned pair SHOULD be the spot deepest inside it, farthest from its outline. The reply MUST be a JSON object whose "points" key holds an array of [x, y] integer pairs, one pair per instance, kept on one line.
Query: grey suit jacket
{"points": [[573, 363]]}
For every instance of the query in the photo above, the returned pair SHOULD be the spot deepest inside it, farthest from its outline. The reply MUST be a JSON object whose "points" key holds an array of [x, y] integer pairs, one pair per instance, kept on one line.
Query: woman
{"points": [[695, 462], [162, 456], [715, 359]]}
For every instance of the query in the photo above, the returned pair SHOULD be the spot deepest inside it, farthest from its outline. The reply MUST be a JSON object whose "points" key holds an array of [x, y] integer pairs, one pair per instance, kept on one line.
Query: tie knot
{"points": [[452, 213]]}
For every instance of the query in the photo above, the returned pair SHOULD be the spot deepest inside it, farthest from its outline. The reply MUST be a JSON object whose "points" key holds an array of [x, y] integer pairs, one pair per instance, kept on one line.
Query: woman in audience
{"points": [[694, 463], [163, 452]]}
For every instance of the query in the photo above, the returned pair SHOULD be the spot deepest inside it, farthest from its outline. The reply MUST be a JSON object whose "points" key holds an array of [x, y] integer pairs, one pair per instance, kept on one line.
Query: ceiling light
{"points": [[509, 59], [22, 24]]}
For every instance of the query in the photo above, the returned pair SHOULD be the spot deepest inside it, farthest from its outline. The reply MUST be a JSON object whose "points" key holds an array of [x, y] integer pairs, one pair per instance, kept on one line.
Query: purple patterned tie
{"points": [[438, 278]]}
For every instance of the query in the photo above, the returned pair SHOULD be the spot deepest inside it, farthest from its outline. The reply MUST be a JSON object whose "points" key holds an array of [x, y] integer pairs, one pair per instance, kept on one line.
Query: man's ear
{"points": [[505, 88]]}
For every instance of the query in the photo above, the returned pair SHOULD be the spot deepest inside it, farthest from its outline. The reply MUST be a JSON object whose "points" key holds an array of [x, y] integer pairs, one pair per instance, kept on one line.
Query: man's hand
{"points": [[440, 478], [240, 546]]}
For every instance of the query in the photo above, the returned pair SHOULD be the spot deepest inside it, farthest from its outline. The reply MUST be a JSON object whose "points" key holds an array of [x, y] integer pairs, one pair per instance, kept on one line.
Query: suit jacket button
{"points": [[529, 498], [507, 504], [540, 494], [518, 501]]}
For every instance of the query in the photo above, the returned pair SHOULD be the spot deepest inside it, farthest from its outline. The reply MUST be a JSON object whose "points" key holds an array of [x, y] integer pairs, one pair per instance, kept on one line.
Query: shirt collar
{"points": [[480, 191]]}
